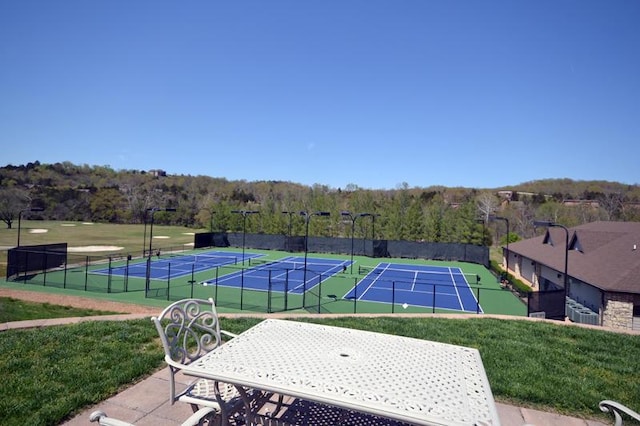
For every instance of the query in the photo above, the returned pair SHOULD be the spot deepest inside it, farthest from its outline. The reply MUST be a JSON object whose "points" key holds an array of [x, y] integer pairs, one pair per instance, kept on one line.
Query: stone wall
{"points": [[618, 310]]}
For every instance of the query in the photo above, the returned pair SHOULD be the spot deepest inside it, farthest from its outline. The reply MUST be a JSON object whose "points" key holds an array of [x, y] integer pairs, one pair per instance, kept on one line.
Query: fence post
{"points": [[304, 291], [44, 277], [168, 280], [319, 291], [241, 287], [192, 280], [126, 274], [216, 292], [26, 258], [355, 295], [286, 290], [268, 292], [433, 308], [393, 297], [147, 281], [109, 277], [86, 272]]}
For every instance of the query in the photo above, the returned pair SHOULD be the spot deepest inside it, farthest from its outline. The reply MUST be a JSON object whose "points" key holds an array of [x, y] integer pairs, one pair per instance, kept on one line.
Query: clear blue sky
{"points": [[367, 92]]}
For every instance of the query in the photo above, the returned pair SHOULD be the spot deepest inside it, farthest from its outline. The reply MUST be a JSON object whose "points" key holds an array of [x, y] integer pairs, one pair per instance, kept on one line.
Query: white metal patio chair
{"points": [[189, 328], [205, 415], [617, 409]]}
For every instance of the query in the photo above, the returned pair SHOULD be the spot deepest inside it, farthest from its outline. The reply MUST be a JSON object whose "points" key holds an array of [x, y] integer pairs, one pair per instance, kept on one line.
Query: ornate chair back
{"points": [[188, 328]]}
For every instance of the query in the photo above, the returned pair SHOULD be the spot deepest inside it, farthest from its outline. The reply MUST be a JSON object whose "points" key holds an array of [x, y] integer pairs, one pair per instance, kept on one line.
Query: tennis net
{"points": [[205, 259], [291, 265]]}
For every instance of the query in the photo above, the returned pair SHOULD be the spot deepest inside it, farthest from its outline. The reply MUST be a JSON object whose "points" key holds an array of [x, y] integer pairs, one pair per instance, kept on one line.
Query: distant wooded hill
{"points": [[432, 213]]}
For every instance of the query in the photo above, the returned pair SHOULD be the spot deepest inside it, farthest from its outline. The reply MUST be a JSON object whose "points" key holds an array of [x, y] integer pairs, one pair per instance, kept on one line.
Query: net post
{"points": [[477, 300]]}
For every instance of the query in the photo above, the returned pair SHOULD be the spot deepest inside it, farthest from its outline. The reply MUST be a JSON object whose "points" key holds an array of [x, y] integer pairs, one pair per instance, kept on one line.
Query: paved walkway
{"points": [[146, 403]]}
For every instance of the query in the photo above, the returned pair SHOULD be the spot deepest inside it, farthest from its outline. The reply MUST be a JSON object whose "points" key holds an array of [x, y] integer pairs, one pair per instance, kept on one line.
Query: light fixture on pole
{"points": [[32, 209], [353, 225], [244, 214], [307, 217], [493, 218], [550, 224]]}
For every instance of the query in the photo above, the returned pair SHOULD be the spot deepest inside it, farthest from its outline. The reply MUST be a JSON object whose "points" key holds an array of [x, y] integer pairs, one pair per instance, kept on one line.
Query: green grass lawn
{"points": [[17, 310], [81, 234], [49, 374]]}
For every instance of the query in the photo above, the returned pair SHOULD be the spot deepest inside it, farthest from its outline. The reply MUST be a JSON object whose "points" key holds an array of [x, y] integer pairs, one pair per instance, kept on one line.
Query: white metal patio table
{"points": [[411, 380]]}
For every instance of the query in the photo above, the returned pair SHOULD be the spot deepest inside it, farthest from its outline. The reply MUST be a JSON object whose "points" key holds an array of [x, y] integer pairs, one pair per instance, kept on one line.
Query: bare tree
{"points": [[487, 204], [12, 201], [612, 205]]}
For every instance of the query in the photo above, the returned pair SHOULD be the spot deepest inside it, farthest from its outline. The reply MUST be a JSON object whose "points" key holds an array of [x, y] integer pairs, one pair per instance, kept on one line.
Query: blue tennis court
{"points": [[287, 275], [417, 285], [178, 265]]}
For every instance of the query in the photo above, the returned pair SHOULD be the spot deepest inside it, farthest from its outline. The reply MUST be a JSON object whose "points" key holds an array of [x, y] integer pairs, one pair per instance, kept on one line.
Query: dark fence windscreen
{"points": [[552, 303], [26, 259], [361, 247]]}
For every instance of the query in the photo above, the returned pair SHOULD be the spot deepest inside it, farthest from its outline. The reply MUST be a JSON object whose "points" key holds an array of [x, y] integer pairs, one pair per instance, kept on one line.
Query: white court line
{"points": [[372, 282]]}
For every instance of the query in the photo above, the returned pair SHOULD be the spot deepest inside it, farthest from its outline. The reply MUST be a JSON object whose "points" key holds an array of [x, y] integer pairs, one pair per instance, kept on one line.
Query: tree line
{"points": [[65, 191]]}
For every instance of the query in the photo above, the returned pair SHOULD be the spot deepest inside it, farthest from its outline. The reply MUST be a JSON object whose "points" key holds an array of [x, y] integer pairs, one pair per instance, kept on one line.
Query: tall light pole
{"points": [[144, 235], [493, 218], [550, 224], [32, 209], [244, 214], [212, 213], [307, 218], [353, 225], [373, 225], [288, 243], [153, 210]]}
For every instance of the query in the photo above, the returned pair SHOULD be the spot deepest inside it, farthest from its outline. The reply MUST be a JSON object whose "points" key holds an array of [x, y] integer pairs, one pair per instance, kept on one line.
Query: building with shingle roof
{"points": [[603, 269]]}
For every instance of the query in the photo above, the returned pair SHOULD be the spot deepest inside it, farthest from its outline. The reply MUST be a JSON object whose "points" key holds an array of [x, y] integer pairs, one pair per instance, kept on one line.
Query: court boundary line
{"points": [[448, 270]]}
